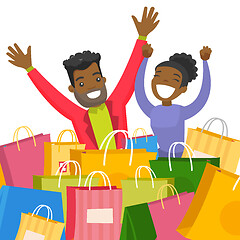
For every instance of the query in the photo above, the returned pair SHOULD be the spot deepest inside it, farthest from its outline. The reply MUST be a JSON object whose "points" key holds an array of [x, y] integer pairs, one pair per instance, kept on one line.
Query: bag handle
{"points": [[187, 147], [38, 208], [15, 135], [110, 136], [76, 164], [104, 175], [224, 125], [73, 134], [143, 131], [160, 192], [138, 170]]}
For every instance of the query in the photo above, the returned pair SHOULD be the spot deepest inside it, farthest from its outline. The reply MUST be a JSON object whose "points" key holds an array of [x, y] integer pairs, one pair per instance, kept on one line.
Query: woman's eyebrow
{"points": [[158, 71], [176, 75]]}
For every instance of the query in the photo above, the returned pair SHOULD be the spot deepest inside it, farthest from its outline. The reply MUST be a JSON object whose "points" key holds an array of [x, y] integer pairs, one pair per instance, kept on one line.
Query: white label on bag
{"points": [[104, 215], [29, 235], [202, 155]]}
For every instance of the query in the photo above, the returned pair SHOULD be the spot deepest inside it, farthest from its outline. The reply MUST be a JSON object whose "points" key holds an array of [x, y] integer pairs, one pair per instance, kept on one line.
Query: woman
{"points": [[170, 80]]}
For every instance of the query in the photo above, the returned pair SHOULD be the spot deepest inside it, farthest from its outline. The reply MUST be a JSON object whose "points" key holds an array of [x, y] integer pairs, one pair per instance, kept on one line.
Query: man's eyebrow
{"points": [[176, 75], [158, 71], [79, 78], [96, 73]]}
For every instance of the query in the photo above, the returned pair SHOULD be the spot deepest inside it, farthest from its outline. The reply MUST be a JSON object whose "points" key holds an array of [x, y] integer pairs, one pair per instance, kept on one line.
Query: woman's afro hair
{"points": [[187, 62]]}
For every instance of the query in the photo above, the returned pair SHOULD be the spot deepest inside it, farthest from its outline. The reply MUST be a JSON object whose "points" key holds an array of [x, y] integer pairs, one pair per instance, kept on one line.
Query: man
{"points": [[88, 86]]}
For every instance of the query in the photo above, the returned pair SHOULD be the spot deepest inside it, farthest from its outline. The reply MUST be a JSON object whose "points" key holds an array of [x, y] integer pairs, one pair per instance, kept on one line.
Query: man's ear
{"points": [[71, 88], [104, 79], [183, 89]]}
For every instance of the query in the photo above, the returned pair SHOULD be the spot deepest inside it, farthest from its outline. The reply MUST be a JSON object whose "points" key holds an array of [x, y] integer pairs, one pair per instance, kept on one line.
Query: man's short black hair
{"points": [[80, 61]]}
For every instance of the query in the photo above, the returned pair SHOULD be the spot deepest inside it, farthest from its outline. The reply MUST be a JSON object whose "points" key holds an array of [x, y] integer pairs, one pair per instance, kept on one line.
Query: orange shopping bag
{"points": [[117, 164], [56, 153], [208, 144], [2, 179], [214, 211]]}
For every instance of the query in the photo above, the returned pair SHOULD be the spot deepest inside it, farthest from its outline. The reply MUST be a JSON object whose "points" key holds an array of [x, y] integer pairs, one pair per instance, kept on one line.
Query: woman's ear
{"points": [[183, 89], [71, 89], [104, 79]]}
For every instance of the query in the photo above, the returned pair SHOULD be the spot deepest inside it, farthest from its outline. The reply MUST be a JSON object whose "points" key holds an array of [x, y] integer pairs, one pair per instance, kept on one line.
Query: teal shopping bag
{"points": [[15, 200]]}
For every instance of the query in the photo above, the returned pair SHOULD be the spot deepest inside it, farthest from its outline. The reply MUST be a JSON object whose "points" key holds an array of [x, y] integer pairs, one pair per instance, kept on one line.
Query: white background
{"points": [[57, 29]]}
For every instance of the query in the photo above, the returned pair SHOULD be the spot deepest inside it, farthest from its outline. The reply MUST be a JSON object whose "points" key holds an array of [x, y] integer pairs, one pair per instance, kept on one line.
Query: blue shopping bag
{"points": [[148, 142], [15, 200]]}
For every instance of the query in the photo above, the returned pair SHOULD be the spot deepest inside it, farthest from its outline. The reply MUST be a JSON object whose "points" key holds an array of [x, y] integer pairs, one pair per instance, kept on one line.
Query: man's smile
{"points": [[94, 94]]}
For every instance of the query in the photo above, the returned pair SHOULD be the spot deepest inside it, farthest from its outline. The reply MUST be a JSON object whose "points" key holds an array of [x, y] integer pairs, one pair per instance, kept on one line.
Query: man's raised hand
{"points": [[148, 23], [20, 59]]}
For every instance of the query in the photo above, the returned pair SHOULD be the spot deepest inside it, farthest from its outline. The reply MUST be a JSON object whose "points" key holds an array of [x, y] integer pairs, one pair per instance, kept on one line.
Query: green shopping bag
{"points": [[59, 183], [140, 190], [138, 223], [186, 171]]}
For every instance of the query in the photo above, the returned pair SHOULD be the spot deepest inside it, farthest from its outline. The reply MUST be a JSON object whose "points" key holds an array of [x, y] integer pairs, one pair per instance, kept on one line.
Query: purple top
{"points": [[168, 122]]}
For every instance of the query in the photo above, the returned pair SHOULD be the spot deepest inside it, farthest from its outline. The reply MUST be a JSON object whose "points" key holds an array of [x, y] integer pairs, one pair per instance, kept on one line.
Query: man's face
{"points": [[90, 89], [166, 83]]}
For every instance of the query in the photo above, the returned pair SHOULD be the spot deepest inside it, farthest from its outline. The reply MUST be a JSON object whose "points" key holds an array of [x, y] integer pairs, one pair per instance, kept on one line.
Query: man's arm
{"points": [[192, 109], [62, 104], [125, 86]]}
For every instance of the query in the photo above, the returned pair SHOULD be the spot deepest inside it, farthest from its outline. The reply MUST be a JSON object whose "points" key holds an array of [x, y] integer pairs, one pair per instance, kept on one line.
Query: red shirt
{"points": [[116, 103]]}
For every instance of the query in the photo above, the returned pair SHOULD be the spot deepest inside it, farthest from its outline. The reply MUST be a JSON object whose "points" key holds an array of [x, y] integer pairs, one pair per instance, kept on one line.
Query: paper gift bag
{"points": [[97, 211], [148, 142], [59, 183], [168, 213], [140, 190], [14, 201], [2, 179], [34, 227], [214, 145], [186, 171], [117, 164], [214, 212], [22, 159], [56, 153]]}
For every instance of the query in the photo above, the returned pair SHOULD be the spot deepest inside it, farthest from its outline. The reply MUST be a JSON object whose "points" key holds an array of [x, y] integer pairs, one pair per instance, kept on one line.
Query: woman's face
{"points": [[166, 83]]}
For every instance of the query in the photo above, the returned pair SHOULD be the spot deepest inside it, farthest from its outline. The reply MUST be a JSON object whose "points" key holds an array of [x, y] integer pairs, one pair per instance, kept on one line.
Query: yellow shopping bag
{"points": [[56, 153], [214, 211], [39, 228], [209, 144], [118, 164], [2, 179]]}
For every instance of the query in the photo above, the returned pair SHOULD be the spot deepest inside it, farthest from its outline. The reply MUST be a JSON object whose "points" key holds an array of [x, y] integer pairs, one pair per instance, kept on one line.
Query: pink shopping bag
{"points": [[94, 213], [168, 213], [22, 159]]}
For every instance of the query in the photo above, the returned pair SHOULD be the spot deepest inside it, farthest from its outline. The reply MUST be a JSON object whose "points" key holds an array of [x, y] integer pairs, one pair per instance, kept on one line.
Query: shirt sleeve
{"points": [[192, 109], [140, 94], [125, 86], [62, 104]]}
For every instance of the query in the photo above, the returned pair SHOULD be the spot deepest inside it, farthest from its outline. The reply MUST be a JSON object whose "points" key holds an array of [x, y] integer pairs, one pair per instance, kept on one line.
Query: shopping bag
{"points": [[56, 153], [137, 223], [214, 212], [214, 145], [140, 190], [14, 201], [22, 159], [148, 142], [59, 183], [117, 164], [97, 211], [34, 227], [2, 179], [186, 171], [168, 213]]}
